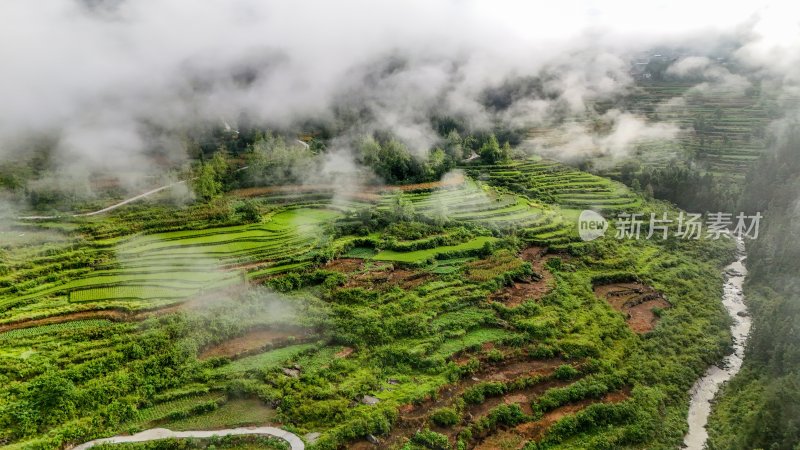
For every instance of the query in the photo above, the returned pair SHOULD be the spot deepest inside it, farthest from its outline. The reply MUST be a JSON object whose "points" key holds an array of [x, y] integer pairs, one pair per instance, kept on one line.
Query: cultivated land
{"points": [[467, 314], [722, 129]]}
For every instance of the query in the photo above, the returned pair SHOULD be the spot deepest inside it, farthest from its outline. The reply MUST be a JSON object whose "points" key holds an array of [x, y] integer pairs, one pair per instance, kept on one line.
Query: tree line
{"points": [[760, 408], [273, 160]]}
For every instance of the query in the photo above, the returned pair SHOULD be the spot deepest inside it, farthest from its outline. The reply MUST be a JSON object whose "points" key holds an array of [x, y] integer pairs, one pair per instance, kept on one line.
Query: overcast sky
{"points": [[92, 71]]}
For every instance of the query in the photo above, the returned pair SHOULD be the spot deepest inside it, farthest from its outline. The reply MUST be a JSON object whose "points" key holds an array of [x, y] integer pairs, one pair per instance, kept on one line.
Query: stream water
{"points": [[706, 388]]}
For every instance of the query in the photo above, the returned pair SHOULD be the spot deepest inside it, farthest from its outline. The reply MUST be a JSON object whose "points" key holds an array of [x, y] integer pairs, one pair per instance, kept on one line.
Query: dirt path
{"points": [[251, 342], [369, 196], [155, 434], [110, 314], [108, 208]]}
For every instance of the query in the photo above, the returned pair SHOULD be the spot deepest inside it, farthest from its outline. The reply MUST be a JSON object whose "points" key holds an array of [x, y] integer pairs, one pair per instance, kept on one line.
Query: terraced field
{"points": [[724, 127], [156, 270], [552, 182], [721, 129], [498, 209], [470, 322]]}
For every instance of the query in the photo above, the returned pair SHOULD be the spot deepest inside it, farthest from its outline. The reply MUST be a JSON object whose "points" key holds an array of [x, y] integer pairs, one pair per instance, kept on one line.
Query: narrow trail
{"points": [[155, 434], [108, 208], [129, 200], [705, 389]]}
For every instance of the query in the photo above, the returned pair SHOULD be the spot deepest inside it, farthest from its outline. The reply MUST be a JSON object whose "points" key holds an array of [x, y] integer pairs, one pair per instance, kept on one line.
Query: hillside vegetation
{"points": [[464, 309]]}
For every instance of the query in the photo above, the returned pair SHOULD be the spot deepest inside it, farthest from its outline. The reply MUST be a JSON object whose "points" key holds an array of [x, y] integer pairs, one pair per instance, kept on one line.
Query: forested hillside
{"points": [[760, 408]]}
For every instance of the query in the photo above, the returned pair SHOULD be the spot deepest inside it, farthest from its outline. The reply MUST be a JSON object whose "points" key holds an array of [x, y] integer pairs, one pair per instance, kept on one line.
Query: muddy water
{"points": [[706, 388]]}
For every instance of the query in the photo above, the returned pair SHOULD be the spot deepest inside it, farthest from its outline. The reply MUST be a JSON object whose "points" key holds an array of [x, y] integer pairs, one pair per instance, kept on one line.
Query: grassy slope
{"points": [[404, 335]]}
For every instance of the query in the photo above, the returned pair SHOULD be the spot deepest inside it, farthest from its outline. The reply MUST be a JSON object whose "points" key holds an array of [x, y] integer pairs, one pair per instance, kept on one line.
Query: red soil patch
{"points": [[344, 353], [304, 189], [345, 265], [456, 180], [515, 369], [366, 193], [636, 301], [534, 431], [533, 254], [414, 417], [381, 275], [109, 314], [250, 342], [521, 397], [406, 279], [521, 291]]}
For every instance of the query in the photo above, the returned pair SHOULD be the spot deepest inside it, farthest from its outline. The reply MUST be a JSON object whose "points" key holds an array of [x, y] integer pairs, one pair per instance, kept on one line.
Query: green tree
{"points": [[270, 160], [391, 161], [206, 184], [402, 209], [454, 146], [249, 211], [492, 153], [52, 396], [438, 164]]}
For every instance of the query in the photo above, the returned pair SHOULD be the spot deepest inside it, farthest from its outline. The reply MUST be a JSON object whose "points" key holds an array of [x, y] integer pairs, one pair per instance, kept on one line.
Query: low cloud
{"points": [[612, 135], [118, 84], [711, 76]]}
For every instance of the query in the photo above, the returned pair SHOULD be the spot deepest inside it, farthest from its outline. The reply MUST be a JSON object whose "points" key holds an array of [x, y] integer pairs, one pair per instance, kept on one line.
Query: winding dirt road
{"points": [[154, 434], [132, 199], [108, 208]]}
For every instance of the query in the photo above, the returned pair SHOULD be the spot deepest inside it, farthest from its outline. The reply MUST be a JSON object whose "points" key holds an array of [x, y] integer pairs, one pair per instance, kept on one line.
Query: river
{"points": [[706, 388]]}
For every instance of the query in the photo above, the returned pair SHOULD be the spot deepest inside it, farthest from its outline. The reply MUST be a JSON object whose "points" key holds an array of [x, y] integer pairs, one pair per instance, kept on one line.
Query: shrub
{"points": [[286, 282], [565, 372], [554, 263], [431, 440], [477, 394], [445, 417], [507, 415], [494, 355], [249, 211], [542, 351]]}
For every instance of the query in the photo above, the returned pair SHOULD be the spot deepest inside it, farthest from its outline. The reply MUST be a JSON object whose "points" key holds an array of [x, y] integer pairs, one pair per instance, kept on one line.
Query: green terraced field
{"points": [[723, 130], [327, 314], [22, 333], [162, 268], [502, 209], [552, 182], [267, 360], [424, 255], [164, 410]]}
